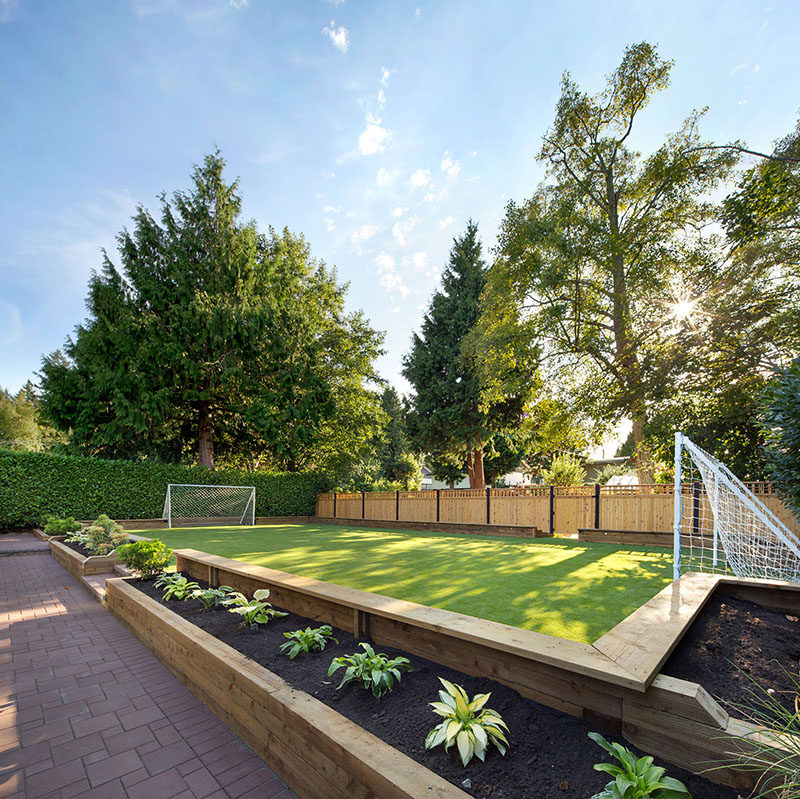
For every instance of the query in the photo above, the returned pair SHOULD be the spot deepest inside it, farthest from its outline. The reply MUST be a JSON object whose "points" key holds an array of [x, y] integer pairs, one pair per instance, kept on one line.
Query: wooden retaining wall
{"points": [[79, 565], [614, 683], [551, 509], [316, 750]]}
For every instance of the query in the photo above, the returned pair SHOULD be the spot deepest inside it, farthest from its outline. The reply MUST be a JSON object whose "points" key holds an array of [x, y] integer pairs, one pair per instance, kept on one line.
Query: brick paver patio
{"points": [[86, 710], [15, 543]]}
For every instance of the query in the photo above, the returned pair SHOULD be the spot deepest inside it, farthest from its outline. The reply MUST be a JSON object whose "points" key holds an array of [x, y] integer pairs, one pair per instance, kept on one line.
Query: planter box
{"points": [[466, 528], [632, 537], [316, 750], [80, 566]]}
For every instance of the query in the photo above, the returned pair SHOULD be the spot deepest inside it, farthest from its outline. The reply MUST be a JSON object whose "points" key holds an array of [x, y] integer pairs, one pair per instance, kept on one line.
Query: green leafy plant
{"points": [[467, 723], [55, 526], [104, 536], [636, 777], [212, 597], [176, 586], [149, 558], [253, 611], [376, 672], [307, 640], [78, 537]]}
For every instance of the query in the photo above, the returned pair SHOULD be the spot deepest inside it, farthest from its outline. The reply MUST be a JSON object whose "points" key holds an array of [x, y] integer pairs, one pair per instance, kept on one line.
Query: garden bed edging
{"points": [[80, 566]]}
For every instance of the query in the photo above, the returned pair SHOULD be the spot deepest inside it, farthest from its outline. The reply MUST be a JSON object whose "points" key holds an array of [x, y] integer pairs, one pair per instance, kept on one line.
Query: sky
{"points": [[376, 129]]}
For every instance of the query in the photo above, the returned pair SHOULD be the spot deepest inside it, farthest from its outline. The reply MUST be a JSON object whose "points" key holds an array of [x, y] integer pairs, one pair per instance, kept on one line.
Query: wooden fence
{"points": [[556, 509]]}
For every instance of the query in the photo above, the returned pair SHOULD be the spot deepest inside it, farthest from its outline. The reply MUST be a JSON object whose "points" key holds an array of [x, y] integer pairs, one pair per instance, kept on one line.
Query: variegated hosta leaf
{"points": [[465, 746], [261, 594], [478, 702]]}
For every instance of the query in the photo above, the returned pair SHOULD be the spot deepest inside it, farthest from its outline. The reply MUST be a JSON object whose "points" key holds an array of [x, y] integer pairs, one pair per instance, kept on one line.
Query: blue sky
{"points": [[377, 129]]}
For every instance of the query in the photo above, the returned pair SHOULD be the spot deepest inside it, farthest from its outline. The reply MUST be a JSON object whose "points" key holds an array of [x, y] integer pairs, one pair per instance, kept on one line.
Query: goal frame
{"points": [[249, 505]]}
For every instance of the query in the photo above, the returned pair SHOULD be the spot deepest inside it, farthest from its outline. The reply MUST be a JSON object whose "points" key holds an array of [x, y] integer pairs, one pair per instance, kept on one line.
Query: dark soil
{"points": [[550, 754], [733, 643], [79, 548]]}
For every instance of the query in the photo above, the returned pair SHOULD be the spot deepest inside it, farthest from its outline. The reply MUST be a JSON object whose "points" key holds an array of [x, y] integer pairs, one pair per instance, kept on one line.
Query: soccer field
{"points": [[556, 586]]}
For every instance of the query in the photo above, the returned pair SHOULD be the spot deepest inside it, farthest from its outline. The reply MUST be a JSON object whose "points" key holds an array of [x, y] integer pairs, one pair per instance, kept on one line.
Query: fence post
{"points": [[488, 506], [438, 494], [397, 506], [597, 506], [334, 504], [362, 506], [552, 509]]}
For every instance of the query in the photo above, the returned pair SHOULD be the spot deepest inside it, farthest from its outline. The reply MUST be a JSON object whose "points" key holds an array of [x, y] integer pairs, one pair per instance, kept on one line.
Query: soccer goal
{"points": [[722, 527], [187, 505]]}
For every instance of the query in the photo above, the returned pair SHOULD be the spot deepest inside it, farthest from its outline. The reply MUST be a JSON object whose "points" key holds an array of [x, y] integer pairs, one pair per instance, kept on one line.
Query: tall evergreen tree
{"points": [[398, 463], [211, 339], [448, 418]]}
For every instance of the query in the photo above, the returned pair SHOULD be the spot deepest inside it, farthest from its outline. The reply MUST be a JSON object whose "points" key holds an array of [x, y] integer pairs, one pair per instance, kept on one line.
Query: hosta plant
{"points": [[253, 611], [176, 586], [376, 672], [636, 777], [211, 597], [307, 640], [78, 537], [468, 724]]}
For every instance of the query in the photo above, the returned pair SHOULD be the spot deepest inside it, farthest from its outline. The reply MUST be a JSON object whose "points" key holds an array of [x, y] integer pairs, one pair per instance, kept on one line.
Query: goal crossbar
{"points": [[190, 504]]}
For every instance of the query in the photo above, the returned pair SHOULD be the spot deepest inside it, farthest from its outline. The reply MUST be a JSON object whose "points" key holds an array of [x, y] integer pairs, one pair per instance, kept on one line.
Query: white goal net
{"points": [[199, 505], [722, 527]]}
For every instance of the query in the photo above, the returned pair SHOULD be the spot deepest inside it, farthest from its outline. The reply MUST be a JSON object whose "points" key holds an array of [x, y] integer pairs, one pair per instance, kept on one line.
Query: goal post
{"points": [[721, 526], [190, 505]]}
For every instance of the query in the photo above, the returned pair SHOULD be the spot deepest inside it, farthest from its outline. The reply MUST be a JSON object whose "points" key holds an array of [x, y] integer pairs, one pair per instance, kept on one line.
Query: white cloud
{"points": [[336, 2], [450, 166], [399, 211], [373, 139], [446, 222], [417, 12], [385, 74], [363, 233], [385, 177], [738, 67], [390, 278], [420, 178], [328, 174], [757, 68], [474, 153], [329, 224], [419, 259], [402, 230], [339, 37], [11, 330], [237, 3], [332, 209], [428, 198]]}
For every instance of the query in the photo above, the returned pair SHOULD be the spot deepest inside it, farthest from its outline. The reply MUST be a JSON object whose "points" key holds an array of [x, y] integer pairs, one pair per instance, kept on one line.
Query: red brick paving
{"points": [[87, 711], [15, 543]]}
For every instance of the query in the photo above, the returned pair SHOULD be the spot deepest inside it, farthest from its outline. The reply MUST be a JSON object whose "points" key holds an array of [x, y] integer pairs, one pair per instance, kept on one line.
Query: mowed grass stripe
{"points": [[555, 586]]}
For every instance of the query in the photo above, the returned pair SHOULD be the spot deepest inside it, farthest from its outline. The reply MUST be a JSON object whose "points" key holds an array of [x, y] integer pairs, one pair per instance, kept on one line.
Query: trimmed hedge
{"points": [[34, 484]]}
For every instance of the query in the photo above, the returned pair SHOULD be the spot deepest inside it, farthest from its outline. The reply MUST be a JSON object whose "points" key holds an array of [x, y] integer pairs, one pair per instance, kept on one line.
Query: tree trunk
{"points": [[475, 468], [205, 436], [641, 454]]}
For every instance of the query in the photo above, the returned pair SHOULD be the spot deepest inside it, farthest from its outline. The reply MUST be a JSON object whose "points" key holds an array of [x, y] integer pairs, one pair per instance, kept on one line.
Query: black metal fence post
{"points": [[597, 506], [438, 496], [552, 509], [397, 506], [488, 506], [363, 505]]}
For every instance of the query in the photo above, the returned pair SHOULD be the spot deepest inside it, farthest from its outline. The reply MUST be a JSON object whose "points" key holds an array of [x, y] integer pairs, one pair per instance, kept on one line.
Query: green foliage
{"points": [[55, 526], [176, 586], [104, 535], [80, 536], [635, 778], [467, 724], [588, 268], [253, 611], [34, 484], [149, 558], [21, 427], [307, 640], [397, 461], [375, 672], [449, 417], [213, 342], [774, 725], [781, 426], [611, 470], [565, 470], [212, 597]]}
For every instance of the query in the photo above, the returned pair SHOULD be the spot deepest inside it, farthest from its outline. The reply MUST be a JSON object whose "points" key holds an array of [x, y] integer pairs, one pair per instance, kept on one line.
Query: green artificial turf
{"points": [[556, 586]]}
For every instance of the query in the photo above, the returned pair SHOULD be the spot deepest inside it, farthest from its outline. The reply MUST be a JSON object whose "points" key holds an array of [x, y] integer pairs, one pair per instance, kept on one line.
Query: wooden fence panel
{"points": [[573, 508], [775, 504], [380, 505], [324, 506], [525, 507], [642, 508], [417, 506], [463, 506], [348, 506]]}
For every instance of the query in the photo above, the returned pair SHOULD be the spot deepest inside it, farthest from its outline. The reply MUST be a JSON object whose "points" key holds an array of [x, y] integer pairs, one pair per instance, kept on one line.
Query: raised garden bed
{"points": [[79, 564], [550, 756]]}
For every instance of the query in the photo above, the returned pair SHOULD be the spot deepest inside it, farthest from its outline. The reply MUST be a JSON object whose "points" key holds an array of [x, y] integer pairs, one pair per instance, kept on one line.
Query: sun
{"points": [[682, 309]]}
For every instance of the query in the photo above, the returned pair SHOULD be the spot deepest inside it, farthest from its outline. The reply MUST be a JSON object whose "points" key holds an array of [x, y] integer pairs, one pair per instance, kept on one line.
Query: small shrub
{"points": [[307, 640], [637, 777], [565, 470], [55, 526], [149, 558], [104, 536], [212, 597], [467, 724], [373, 671], [176, 586], [253, 611]]}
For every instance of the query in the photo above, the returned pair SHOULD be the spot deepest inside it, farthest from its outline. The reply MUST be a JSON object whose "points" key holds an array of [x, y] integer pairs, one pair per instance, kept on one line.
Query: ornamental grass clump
{"points": [[307, 640], [376, 672], [467, 724], [636, 777], [176, 586], [253, 611]]}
